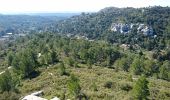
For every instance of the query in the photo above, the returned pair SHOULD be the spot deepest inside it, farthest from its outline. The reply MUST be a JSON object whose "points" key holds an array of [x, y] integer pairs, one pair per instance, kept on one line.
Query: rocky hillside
{"points": [[110, 22], [100, 22]]}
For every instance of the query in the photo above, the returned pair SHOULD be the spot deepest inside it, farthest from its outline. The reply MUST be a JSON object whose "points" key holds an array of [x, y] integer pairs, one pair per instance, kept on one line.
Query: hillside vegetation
{"points": [[98, 26], [82, 58]]}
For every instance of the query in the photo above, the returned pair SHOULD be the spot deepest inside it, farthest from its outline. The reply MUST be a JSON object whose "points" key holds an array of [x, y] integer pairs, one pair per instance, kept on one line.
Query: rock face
{"points": [[120, 27], [126, 28], [146, 30], [32, 97]]}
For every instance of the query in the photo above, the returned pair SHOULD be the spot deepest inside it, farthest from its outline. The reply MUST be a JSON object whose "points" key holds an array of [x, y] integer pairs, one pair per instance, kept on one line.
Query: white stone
{"points": [[32, 97], [39, 55], [37, 93], [55, 98]]}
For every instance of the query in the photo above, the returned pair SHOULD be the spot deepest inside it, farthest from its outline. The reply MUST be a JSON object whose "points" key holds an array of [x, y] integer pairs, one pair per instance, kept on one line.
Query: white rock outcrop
{"points": [[32, 97], [120, 27], [126, 28]]}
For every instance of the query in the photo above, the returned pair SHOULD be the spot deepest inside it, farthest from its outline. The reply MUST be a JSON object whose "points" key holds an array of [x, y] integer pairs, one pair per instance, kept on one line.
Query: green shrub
{"points": [[73, 86], [125, 87], [94, 87], [108, 84], [129, 78], [9, 96]]}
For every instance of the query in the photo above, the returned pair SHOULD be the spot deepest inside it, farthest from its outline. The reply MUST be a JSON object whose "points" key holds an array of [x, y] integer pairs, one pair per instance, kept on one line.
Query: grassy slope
{"points": [[54, 85]]}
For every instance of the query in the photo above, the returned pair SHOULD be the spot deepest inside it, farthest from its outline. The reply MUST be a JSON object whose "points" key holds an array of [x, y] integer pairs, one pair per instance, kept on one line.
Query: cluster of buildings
{"points": [[6, 36], [126, 28], [11, 35]]}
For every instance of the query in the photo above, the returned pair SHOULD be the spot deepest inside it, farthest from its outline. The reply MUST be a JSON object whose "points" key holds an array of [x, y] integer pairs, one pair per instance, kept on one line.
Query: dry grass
{"points": [[53, 84]]}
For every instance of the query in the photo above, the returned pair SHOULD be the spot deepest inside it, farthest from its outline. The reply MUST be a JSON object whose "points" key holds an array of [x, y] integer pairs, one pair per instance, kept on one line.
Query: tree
{"points": [[73, 86], [62, 69], [123, 63], [42, 60], [117, 64], [15, 62], [140, 90], [48, 58], [150, 67], [89, 63], [54, 57], [70, 61], [84, 54], [25, 62], [108, 61], [137, 65], [10, 58], [165, 71], [7, 82]]}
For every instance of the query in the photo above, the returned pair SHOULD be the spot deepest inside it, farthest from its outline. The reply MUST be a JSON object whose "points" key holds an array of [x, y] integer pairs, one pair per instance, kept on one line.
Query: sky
{"points": [[35, 6]]}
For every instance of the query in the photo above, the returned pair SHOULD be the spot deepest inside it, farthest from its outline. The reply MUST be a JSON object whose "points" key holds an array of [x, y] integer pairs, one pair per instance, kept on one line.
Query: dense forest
{"points": [[83, 58]]}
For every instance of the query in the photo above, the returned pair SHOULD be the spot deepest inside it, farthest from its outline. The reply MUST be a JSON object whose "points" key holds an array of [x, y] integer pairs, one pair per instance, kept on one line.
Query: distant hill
{"points": [[26, 23], [147, 27], [98, 25], [54, 14]]}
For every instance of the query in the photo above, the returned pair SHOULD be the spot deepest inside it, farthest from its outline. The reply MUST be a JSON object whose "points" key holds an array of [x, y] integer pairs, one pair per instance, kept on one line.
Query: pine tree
{"points": [[136, 66], [140, 90], [89, 63], [165, 71], [54, 57], [10, 58], [73, 86], [7, 82], [24, 63], [62, 69]]}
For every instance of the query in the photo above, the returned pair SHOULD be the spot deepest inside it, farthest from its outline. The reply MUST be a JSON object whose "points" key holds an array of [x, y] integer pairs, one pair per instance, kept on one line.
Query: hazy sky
{"points": [[27, 6]]}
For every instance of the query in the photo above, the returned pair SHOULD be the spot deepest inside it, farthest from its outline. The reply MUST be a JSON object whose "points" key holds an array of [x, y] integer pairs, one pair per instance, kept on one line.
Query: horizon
{"points": [[36, 13], [72, 6], [64, 12]]}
